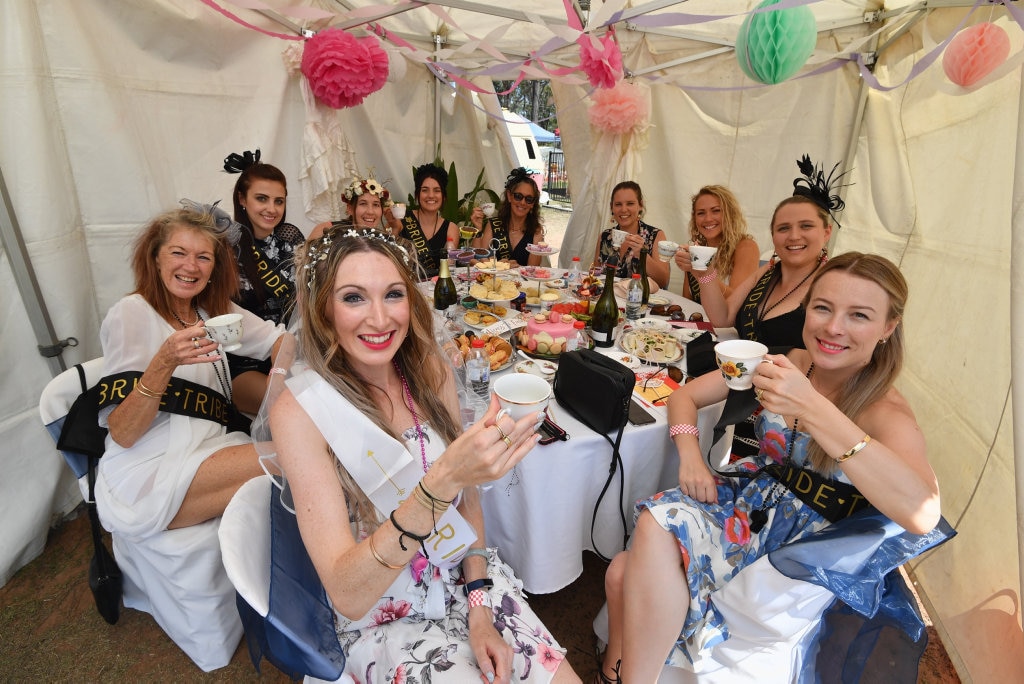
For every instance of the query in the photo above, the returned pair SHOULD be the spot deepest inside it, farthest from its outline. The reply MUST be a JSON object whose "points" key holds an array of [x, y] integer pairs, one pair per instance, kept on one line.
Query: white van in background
{"points": [[527, 151]]}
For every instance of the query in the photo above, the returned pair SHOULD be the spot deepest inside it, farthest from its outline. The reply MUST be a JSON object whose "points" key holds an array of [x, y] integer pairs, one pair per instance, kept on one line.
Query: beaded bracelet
{"points": [[478, 598], [683, 429], [379, 559], [709, 277], [855, 449], [146, 392]]}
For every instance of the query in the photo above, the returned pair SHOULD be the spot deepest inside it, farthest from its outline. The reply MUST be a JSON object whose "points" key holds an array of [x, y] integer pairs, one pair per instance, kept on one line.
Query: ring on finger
{"points": [[195, 341], [508, 441], [502, 433], [759, 393]]}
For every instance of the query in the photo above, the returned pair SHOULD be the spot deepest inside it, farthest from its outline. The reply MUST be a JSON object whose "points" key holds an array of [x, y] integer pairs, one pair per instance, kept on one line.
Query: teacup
{"points": [[618, 237], [226, 330], [522, 394], [701, 256], [488, 209], [737, 360], [667, 249], [398, 210]]}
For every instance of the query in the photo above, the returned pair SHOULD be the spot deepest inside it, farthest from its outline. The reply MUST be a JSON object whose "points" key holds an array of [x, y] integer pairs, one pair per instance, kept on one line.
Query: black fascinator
{"points": [[237, 163], [819, 188], [516, 176]]}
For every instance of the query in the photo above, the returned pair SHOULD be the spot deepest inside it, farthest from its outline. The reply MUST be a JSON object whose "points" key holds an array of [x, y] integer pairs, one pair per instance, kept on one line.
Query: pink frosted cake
{"points": [[546, 333]]}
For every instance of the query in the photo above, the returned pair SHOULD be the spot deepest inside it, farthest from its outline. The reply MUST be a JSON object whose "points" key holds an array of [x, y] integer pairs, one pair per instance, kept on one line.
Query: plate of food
{"points": [[492, 266], [651, 346], [628, 360], [541, 273], [545, 369], [497, 348], [479, 319], [657, 300], [651, 324], [493, 289], [541, 248]]}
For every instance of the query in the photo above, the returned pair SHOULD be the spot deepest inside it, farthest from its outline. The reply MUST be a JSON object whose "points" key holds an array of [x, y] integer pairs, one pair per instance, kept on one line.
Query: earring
{"points": [[773, 260], [823, 258], [883, 340]]}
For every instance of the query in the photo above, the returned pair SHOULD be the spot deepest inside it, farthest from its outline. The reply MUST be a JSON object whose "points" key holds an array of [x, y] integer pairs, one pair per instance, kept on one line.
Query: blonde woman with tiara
{"points": [[716, 220]]}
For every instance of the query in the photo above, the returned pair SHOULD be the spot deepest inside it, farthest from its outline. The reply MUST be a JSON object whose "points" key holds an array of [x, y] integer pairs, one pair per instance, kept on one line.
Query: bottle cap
{"points": [[477, 342]]}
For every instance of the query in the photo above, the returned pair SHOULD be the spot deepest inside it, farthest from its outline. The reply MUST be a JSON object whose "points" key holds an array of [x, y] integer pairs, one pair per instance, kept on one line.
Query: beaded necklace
{"points": [[415, 418], [221, 378], [759, 516], [764, 312]]}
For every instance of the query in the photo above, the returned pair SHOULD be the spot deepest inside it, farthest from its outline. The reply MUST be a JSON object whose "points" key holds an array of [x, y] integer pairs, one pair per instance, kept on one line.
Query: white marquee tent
{"points": [[113, 110]]}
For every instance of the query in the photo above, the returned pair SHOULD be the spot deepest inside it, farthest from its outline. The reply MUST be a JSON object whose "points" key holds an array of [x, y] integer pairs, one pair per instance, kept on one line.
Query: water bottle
{"points": [[478, 376], [579, 338], [634, 298], [573, 278]]}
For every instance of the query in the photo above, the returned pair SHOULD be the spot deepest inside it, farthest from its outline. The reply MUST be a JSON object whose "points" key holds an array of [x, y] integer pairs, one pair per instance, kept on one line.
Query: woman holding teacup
{"points": [[717, 221], [625, 240], [376, 396], [172, 459], [841, 458], [517, 224], [766, 306]]}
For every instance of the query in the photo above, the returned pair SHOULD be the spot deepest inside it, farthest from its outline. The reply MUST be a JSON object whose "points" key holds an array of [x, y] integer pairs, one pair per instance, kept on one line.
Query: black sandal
{"points": [[602, 679]]}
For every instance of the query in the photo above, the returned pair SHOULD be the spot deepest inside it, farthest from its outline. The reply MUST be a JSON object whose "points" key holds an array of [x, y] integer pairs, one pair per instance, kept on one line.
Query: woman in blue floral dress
{"points": [[384, 480], [819, 470]]}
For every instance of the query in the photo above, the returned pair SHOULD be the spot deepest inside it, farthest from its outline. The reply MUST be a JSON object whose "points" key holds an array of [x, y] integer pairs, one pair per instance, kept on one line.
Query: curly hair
{"points": [[870, 383], [425, 171], [418, 357], [734, 226], [216, 297]]}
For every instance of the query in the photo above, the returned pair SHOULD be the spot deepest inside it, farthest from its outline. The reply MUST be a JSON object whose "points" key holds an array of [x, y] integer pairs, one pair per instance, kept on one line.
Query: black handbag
{"points": [[596, 391]]}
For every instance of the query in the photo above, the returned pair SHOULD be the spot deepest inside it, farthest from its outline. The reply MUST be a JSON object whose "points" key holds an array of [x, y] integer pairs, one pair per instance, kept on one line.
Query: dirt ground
{"points": [[50, 630]]}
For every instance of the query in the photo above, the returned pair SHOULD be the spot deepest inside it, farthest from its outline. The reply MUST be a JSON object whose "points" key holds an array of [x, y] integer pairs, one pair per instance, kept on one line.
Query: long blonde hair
{"points": [[873, 381], [734, 226], [419, 358]]}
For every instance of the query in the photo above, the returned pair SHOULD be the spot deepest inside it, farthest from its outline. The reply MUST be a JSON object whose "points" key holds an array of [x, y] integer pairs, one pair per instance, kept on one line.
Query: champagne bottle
{"points": [[605, 317], [444, 289], [643, 277]]}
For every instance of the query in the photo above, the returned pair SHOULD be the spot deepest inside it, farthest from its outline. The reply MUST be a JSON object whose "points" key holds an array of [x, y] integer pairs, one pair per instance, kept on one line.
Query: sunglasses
{"points": [[520, 197]]}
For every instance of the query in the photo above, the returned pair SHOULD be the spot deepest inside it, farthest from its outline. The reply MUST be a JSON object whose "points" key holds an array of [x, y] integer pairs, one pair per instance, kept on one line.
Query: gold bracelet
{"points": [[380, 560], [855, 449], [146, 392], [431, 505]]}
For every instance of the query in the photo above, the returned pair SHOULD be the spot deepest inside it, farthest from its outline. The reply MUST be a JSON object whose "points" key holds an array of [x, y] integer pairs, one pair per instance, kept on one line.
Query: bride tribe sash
{"points": [[381, 465]]}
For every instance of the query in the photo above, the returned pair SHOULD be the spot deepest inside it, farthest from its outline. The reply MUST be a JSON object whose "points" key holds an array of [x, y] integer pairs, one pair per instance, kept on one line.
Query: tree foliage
{"points": [[531, 99]]}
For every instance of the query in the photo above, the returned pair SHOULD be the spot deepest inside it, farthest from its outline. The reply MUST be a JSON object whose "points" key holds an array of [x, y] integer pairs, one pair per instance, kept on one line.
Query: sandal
{"points": [[602, 679]]}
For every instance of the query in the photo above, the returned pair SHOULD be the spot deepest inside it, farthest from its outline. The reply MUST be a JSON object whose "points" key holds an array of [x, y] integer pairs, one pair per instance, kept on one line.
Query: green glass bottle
{"points": [[445, 294], [643, 277], [605, 316]]}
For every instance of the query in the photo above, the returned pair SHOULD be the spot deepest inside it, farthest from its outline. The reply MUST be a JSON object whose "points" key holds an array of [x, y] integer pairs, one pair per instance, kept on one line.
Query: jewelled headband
{"points": [[819, 188], [317, 250]]}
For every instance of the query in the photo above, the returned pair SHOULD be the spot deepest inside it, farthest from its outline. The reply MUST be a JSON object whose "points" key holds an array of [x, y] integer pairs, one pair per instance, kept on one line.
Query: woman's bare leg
{"points": [[613, 589], [216, 481], [247, 390], [655, 582], [565, 674]]}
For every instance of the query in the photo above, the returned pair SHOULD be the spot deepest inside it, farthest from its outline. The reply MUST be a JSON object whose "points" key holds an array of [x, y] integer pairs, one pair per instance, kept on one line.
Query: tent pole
{"points": [[1017, 331], [438, 43], [855, 131], [28, 286]]}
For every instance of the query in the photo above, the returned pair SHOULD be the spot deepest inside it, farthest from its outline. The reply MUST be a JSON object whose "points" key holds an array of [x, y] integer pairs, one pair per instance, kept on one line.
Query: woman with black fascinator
{"points": [[766, 307], [518, 221], [264, 255]]}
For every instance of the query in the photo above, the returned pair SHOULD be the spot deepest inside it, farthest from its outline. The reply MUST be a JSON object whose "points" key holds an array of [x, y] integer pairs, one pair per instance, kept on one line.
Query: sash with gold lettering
{"points": [[746, 317], [381, 465], [499, 232], [276, 285], [833, 499], [414, 232], [694, 287]]}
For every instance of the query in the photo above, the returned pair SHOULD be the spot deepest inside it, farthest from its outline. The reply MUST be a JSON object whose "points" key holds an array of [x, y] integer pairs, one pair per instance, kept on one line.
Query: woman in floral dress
{"points": [[840, 448], [368, 436]]}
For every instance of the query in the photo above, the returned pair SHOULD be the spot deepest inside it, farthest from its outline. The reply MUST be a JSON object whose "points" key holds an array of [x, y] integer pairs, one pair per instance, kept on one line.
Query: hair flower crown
{"points": [[372, 186]]}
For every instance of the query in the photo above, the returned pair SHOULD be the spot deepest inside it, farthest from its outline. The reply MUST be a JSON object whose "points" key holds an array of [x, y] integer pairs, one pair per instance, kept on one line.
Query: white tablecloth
{"points": [[539, 515]]}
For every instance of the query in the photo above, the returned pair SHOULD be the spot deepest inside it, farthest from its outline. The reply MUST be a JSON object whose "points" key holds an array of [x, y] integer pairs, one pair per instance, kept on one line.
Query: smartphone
{"points": [[638, 415]]}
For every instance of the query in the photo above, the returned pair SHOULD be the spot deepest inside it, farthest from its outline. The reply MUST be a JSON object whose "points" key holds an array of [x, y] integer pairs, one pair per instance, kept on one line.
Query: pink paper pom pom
{"points": [[620, 110], [974, 53], [342, 69], [600, 60]]}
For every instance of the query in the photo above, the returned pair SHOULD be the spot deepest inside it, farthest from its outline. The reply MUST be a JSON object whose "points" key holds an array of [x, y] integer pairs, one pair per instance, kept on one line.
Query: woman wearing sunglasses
{"points": [[627, 206], [517, 224]]}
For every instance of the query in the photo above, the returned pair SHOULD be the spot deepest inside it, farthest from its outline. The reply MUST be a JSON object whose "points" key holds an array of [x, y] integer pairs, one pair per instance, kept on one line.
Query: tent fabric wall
{"points": [[112, 111]]}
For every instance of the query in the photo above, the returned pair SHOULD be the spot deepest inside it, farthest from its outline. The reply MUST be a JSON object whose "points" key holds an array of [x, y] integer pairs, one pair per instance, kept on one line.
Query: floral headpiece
{"points": [[237, 163], [317, 250], [818, 188], [359, 186], [516, 176]]}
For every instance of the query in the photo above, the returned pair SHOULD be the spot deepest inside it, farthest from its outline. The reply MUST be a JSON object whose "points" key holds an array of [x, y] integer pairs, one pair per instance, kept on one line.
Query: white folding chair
{"points": [[177, 575]]}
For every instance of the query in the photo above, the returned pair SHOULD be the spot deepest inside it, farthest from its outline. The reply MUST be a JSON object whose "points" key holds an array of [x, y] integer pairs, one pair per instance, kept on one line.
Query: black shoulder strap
{"points": [[616, 465]]}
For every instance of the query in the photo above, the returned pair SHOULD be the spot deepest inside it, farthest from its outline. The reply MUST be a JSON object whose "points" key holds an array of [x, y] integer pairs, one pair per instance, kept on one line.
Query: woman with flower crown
{"points": [[424, 227], [517, 224], [366, 199], [369, 438], [766, 306]]}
